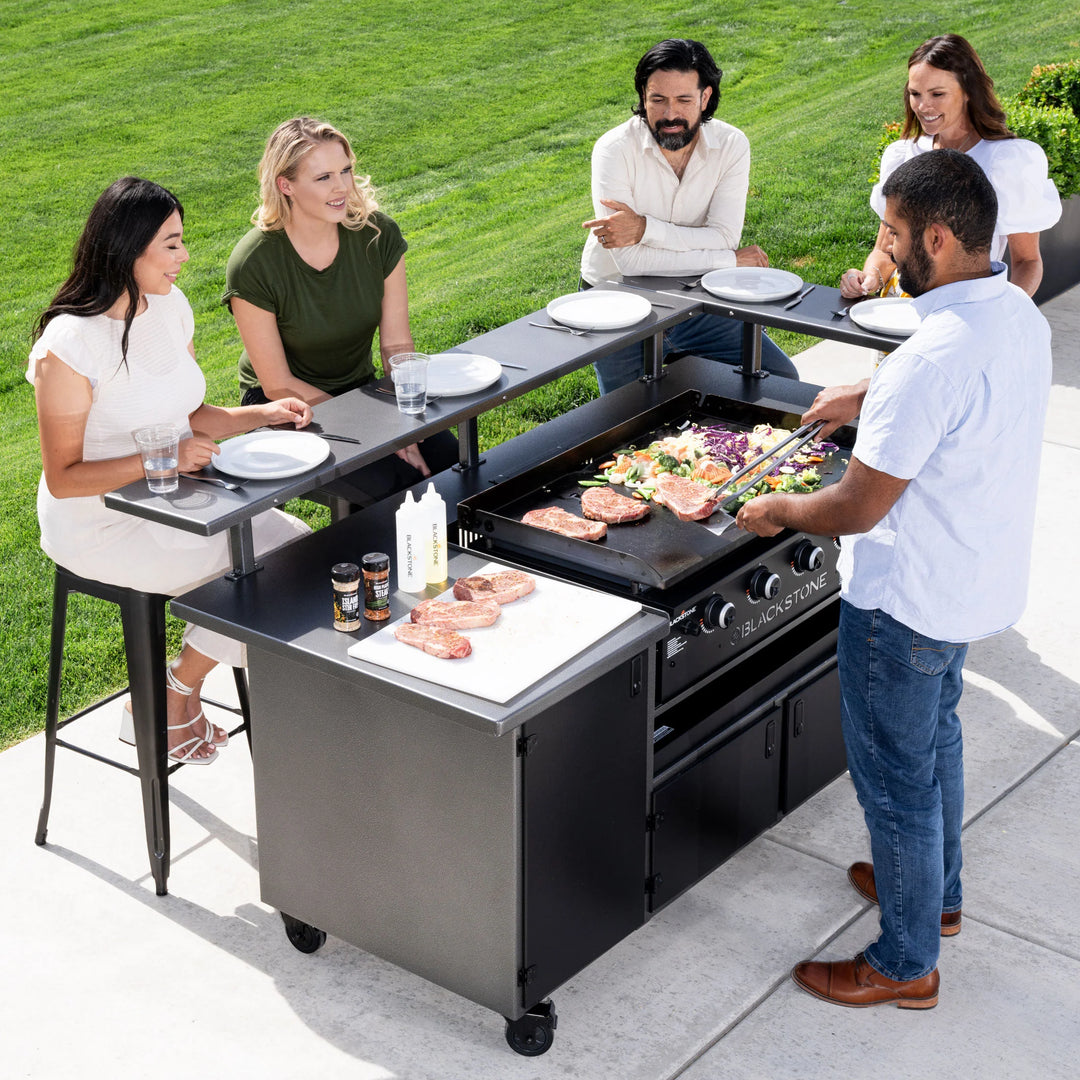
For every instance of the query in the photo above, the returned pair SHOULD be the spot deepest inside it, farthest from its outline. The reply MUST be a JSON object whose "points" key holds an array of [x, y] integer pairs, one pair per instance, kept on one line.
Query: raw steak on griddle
{"points": [[556, 520], [604, 504], [687, 499]]}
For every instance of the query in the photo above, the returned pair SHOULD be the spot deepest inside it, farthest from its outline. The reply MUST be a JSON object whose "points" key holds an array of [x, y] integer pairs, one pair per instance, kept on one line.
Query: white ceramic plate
{"points": [[599, 309], [271, 455], [454, 373], [894, 315], [751, 284]]}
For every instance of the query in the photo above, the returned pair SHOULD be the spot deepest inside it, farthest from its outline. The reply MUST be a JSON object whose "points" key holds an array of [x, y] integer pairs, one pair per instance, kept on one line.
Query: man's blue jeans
{"points": [[899, 692], [711, 336]]}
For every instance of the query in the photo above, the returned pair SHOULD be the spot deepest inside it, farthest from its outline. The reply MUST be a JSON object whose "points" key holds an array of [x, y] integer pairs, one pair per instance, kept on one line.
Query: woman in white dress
{"points": [[112, 353], [949, 102]]}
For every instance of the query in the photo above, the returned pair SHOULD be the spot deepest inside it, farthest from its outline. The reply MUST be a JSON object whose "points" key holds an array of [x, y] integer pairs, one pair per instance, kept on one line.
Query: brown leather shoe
{"points": [[861, 876], [856, 984]]}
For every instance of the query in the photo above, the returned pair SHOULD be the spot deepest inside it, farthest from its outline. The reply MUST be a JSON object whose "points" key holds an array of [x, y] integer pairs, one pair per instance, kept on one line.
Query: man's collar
{"points": [[970, 290]]}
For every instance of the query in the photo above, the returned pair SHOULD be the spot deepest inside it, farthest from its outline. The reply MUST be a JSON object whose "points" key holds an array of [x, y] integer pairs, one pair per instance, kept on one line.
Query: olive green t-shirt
{"points": [[327, 318]]}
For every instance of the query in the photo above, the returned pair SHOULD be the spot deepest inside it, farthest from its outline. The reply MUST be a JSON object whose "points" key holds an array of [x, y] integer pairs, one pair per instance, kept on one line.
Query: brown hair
{"points": [[952, 53]]}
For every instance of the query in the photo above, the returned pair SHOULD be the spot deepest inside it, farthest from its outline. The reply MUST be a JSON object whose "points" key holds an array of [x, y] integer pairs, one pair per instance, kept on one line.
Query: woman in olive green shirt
{"points": [[310, 284]]}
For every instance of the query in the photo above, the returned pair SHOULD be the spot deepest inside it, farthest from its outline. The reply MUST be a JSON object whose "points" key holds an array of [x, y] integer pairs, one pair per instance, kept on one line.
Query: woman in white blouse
{"points": [[949, 102], [113, 352]]}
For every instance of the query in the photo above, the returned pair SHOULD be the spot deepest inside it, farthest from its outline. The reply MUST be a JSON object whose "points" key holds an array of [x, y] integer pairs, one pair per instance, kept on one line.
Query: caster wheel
{"points": [[303, 936], [532, 1034]]}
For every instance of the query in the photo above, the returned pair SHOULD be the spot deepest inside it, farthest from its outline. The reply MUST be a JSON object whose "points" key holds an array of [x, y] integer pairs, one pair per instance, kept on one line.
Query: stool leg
{"points": [[144, 643], [52, 701], [244, 701]]}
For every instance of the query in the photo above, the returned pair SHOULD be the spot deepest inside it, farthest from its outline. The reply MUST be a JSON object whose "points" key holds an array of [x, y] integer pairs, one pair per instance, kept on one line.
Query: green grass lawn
{"points": [[475, 121]]}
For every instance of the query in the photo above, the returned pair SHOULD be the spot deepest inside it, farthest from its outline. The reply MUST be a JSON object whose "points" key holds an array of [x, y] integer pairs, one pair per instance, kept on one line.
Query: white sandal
{"points": [[187, 691], [183, 752]]}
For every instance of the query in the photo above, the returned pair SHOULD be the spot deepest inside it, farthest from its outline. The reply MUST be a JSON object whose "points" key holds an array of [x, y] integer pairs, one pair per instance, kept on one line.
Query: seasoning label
{"points": [[377, 595], [347, 607]]}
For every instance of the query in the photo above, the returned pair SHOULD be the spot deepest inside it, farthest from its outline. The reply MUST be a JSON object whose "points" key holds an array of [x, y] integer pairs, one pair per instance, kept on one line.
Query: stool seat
{"points": [[143, 620]]}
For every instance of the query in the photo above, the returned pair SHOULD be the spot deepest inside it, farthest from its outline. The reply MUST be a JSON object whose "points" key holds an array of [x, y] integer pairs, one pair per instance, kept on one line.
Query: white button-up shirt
{"points": [[692, 225], [958, 409]]}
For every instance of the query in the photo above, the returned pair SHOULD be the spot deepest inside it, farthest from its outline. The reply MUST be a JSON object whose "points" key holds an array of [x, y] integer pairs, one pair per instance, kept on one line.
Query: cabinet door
{"points": [[813, 742], [584, 788], [706, 813]]}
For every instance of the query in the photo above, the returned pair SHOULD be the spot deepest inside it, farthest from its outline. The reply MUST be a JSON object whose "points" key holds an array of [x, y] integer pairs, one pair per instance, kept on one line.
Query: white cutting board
{"points": [[530, 639]]}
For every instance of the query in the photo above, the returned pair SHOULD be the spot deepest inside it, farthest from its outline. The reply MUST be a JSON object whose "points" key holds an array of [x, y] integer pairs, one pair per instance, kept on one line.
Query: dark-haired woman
{"points": [[949, 103], [112, 353]]}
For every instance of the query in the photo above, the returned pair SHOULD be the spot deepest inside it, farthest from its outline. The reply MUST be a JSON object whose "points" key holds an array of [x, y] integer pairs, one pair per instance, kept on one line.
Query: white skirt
{"points": [[87, 538]]}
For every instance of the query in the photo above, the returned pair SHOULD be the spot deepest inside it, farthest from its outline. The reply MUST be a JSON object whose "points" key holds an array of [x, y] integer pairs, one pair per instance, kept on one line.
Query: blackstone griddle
{"points": [[659, 551]]}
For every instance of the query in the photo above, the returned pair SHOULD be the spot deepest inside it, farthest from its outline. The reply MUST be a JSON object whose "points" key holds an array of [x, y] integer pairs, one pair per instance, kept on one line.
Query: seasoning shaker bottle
{"points": [[434, 535], [376, 567], [346, 579], [409, 524]]}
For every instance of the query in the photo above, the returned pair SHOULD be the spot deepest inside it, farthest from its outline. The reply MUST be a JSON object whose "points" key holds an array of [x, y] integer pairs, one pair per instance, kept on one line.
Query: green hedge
{"points": [[1054, 86], [1047, 111], [1057, 131]]}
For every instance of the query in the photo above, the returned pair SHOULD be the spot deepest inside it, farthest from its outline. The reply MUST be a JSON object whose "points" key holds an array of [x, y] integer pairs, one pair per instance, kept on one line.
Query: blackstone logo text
{"points": [[779, 607]]}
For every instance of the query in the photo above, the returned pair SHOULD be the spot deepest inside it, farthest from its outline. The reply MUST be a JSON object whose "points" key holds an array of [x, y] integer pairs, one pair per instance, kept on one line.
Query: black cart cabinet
{"points": [[495, 849], [497, 867]]}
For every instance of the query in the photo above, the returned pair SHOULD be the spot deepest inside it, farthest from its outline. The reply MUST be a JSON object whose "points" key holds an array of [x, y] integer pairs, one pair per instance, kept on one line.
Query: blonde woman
{"points": [[310, 284]]}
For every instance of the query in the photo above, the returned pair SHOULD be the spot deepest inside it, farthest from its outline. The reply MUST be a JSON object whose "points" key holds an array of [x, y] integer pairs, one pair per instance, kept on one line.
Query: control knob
{"points": [[764, 584], [807, 556], [719, 613]]}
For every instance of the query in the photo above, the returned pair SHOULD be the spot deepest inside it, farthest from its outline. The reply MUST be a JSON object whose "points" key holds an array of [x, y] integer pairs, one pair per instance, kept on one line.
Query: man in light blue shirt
{"points": [[936, 511]]}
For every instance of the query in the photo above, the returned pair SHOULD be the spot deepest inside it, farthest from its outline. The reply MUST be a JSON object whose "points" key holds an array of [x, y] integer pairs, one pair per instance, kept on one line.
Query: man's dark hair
{"points": [[679, 54], [947, 188]]}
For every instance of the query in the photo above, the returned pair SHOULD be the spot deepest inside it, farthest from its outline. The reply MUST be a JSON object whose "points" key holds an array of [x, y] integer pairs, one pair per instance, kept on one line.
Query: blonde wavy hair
{"points": [[290, 143]]}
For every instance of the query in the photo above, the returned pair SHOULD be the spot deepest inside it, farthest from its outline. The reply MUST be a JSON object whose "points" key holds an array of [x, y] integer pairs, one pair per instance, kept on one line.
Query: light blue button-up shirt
{"points": [[958, 410]]}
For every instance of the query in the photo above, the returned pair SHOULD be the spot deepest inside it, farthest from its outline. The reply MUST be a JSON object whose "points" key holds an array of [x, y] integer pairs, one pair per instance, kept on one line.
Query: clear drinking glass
{"points": [[159, 446], [409, 373]]}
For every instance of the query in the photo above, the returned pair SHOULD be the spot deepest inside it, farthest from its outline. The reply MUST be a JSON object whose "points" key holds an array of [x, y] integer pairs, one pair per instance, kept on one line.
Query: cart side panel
{"points": [[389, 827], [586, 778]]}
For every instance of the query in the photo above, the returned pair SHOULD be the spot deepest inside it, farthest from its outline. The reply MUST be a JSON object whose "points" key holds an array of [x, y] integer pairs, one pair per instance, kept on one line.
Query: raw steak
{"points": [[603, 504], [502, 587], [455, 614], [556, 520], [445, 644], [687, 499]]}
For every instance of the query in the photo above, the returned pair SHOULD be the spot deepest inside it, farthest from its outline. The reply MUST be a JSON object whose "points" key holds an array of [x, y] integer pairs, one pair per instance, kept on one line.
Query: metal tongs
{"points": [[800, 437]]}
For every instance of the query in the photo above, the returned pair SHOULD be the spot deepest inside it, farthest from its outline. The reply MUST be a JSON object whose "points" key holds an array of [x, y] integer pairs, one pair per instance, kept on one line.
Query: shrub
{"points": [[1057, 131], [1055, 86]]}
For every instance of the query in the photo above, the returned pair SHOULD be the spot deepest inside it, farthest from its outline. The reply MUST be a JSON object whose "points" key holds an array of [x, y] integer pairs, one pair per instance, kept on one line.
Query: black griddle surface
{"points": [[660, 550]]}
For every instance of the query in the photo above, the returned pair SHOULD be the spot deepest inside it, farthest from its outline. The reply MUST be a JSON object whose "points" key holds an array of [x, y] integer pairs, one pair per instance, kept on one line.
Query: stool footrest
{"points": [[143, 618]]}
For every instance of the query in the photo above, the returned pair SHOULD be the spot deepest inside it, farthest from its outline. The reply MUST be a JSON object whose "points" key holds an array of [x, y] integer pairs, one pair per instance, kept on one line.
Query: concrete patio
{"points": [[100, 977]]}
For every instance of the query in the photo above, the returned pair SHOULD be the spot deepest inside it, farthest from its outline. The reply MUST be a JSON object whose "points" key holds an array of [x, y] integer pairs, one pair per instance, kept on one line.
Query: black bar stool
{"points": [[143, 618]]}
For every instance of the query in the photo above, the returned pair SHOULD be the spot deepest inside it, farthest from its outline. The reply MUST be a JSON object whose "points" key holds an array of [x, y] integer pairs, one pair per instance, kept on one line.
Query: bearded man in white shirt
{"points": [[672, 182], [936, 549]]}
